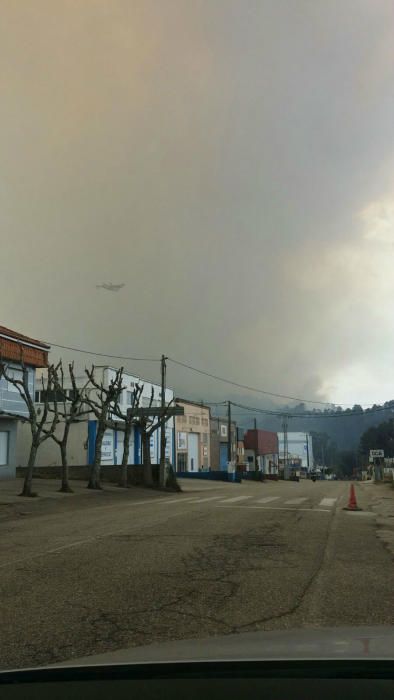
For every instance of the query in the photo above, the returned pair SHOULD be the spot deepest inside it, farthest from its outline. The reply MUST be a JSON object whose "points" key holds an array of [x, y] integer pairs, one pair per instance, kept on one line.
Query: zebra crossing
{"points": [[278, 502], [268, 502]]}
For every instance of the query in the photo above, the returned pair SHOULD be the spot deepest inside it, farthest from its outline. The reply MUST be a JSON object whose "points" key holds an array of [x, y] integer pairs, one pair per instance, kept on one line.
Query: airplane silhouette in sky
{"points": [[110, 287]]}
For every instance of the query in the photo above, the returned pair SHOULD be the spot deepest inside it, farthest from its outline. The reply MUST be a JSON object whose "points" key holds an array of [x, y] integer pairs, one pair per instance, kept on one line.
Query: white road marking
{"points": [[142, 503], [295, 510], [268, 499], [204, 500], [70, 545], [295, 501], [327, 502], [235, 499], [160, 500], [178, 500], [88, 540]]}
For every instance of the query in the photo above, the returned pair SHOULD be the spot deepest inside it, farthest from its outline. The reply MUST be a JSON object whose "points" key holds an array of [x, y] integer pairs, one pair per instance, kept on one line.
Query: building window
{"points": [[182, 462], [52, 396], [129, 398], [196, 420], [205, 438], [15, 374], [182, 441], [4, 440], [204, 421]]}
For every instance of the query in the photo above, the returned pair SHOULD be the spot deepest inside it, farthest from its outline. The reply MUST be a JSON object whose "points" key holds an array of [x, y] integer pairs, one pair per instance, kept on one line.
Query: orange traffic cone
{"points": [[352, 503]]}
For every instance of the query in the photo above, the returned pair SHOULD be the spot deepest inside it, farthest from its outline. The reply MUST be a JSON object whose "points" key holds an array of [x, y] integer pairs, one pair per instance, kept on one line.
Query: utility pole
{"points": [[307, 451], [229, 431], [285, 446], [163, 425], [255, 423]]}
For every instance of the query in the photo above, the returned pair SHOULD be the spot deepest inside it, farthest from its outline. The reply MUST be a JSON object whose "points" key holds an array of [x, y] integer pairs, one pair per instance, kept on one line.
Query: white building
{"points": [[299, 446], [112, 448], [193, 437], [112, 445]]}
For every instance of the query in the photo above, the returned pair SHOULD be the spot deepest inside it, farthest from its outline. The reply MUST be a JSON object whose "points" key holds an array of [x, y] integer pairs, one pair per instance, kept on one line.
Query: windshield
{"points": [[196, 384]]}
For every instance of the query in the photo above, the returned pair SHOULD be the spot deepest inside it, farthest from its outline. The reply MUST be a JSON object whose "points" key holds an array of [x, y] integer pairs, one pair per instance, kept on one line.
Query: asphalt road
{"points": [[134, 568]]}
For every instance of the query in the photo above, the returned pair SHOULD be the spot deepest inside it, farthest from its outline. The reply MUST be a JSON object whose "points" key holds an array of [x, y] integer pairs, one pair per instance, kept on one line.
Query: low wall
{"points": [[211, 476], [253, 476], [259, 476], [109, 473]]}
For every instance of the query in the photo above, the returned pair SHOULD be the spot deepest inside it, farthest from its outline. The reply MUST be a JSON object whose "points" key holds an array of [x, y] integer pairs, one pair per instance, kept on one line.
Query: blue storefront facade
{"points": [[112, 447]]}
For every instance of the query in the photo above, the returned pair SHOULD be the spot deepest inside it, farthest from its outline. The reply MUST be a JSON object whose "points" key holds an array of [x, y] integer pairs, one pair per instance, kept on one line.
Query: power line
{"points": [[204, 373], [103, 354], [336, 414], [251, 388], [215, 403]]}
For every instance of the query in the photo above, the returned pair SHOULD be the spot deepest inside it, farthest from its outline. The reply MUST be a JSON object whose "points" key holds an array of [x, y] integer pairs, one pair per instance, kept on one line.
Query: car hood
{"points": [[327, 643]]}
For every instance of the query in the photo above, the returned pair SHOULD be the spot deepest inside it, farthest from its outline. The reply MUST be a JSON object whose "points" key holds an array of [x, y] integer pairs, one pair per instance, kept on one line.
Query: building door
{"points": [[193, 462], [223, 457]]}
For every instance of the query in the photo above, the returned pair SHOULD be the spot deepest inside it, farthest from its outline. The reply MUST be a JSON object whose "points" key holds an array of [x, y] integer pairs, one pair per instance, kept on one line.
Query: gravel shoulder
{"points": [[382, 504]]}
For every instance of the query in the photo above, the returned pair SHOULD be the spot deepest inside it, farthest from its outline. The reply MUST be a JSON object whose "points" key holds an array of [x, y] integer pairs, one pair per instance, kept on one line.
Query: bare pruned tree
{"points": [[145, 424], [40, 427], [149, 425], [102, 402], [128, 419], [69, 405]]}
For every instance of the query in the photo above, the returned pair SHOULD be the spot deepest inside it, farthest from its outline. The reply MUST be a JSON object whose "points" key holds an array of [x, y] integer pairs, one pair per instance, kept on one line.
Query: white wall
{"points": [[130, 381], [112, 451], [49, 452]]}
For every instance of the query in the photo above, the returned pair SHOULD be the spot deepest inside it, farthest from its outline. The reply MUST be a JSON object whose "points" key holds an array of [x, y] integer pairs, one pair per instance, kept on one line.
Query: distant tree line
{"points": [[346, 462], [344, 427]]}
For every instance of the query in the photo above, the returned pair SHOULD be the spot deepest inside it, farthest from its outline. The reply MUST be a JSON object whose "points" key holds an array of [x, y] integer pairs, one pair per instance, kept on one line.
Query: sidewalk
{"points": [[382, 503], [50, 500], [45, 488]]}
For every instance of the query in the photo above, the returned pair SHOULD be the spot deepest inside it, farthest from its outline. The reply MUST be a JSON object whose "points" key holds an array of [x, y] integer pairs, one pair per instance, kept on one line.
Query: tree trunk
{"points": [[94, 478], [27, 485], [148, 476], [171, 481], [65, 487], [125, 456]]}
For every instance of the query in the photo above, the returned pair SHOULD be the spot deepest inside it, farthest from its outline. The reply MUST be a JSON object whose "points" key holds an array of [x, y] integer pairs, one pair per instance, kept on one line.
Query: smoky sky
{"points": [[230, 162]]}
